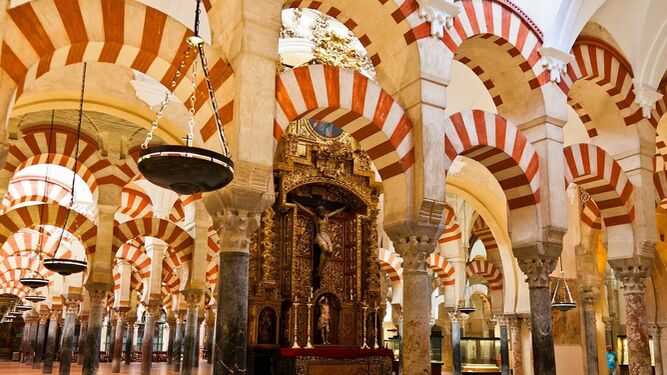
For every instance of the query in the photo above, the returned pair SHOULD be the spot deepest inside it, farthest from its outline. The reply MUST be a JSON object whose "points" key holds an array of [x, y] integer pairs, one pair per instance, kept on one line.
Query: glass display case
{"points": [[480, 354]]}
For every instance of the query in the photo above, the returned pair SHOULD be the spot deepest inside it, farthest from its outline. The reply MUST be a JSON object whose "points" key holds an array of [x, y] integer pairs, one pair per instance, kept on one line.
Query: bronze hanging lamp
{"points": [[65, 266], [22, 307], [36, 280], [35, 298], [566, 303], [187, 169]]}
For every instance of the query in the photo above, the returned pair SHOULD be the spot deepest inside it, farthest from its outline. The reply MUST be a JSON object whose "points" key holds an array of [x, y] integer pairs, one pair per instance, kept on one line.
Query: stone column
{"points": [[209, 337], [110, 332], [52, 332], [26, 346], [537, 270], [152, 313], [416, 304], [607, 331], [515, 337], [178, 342], [504, 347], [172, 337], [196, 351], [657, 349], [457, 319], [118, 340], [71, 309], [129, 343], [632, 280], [83, 329], [91, 350], [39, 345], [192, 298], [589, 297]]}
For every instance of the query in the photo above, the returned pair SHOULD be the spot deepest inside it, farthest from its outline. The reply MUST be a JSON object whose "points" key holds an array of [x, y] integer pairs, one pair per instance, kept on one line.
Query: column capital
{"points": [[515, 323], [97, 291], [632, 273], [589, 297], [439, 13], [72, 306], [414, 250], [56, 313], [654, 331], [555, 61], [44, 317], [646, 97], [457, 317], [235, 227], [537, 269], [193, 297], [503, 320], [152, 310]]}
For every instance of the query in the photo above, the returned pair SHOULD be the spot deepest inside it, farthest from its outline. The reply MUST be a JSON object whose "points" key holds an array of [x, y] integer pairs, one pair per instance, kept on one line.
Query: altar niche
{"points": [[314, 258]]}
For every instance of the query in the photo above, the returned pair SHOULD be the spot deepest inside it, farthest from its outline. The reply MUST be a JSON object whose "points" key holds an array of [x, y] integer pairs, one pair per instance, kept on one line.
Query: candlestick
{"points": [[309, 344], [375, 328], [295, 345], [365, 308]]}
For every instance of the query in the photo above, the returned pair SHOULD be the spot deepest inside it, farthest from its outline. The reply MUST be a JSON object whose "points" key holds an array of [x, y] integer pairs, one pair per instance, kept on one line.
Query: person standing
{"points": [[612, 361]]}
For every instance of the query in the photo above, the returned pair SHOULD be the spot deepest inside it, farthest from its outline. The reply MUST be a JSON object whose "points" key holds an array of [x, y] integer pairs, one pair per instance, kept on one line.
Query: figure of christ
{"points": [[324, 322], [322, 232]]}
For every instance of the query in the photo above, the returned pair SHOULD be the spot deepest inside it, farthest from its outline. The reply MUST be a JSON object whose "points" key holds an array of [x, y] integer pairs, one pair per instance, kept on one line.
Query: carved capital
{"points": [[515, 325], [235, 228], [56, 313], [414, 251], [555, 61], [72, 306], [654, 331], [439, 13], [97, 292], [193, 298], [457, 317], [537, 270], [502, 320], [646, 98], [44, 317], [632, 273], [152, 310], [589, 297]]}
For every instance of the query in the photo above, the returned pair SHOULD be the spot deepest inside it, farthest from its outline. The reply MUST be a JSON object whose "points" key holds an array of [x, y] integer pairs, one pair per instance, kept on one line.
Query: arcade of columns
{"points": [[548, 129]]}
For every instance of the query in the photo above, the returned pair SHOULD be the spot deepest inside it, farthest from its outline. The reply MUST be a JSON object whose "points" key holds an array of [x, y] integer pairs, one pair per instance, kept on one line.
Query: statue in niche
{"points": [[322, 232], [267, 321], [324, 321]]}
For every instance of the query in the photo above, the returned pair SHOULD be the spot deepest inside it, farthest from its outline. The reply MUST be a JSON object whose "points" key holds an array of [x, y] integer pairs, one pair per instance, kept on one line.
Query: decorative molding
{"points": [[646, 98], [555, 61], [439, 13]]}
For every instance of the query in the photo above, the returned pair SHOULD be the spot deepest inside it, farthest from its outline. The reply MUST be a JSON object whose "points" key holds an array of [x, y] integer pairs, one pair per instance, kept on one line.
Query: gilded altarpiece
{"points": [[317, 168]]}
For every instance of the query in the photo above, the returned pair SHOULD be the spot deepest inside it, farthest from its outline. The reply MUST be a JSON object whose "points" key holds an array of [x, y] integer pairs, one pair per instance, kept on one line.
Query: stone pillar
{"points": [[178, 342], [172, 337], [589, 297], [416, 304], [537, 269], [515, 337], [52, 332], [209, 337], [83, 331], [118, 340], [196, 351], [152, 313], [504, 347], [190, 346], [657, 349], [71, 309], [39, 345], [91, 350], [457, 319], [129, 343], [26, 346], [607, 331], [110, 333], [632, 280]]}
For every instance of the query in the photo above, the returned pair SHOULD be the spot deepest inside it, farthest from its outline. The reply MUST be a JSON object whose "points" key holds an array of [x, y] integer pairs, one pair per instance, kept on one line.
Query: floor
{"points": [[105, 368]]}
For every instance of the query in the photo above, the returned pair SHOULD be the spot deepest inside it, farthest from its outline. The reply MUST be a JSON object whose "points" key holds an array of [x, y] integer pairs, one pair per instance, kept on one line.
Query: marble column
{"points": [[71, 309], [416, 304], [191, 323], [504, 347], [657, 349], [457, 319], [639, 353], [91, 349], [152, 313], [172, 337], [83, 329], [196, 351], [515, 337], [178, 342], [118, 341], [110, 349], [589, 297], [50, 348], [537, 270], [209, 340], [607, 331], [39, 345], [26, 346], [129, 343]]}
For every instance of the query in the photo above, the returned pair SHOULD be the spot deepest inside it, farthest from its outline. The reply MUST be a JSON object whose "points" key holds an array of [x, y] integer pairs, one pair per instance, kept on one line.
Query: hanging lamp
{"points": [[467, 308], [566, 303], [23, 307], [65, 266], [36, 280], [187, 169], [35, 298]]}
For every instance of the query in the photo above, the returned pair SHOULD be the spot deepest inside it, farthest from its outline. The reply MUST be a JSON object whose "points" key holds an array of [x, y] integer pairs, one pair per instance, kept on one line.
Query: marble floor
{"points": [[105, 368]]}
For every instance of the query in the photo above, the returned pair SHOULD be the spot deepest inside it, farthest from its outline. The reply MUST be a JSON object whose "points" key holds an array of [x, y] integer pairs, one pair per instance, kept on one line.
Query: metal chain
{"points": [[214, 102], [193, 98], [167, 96]]}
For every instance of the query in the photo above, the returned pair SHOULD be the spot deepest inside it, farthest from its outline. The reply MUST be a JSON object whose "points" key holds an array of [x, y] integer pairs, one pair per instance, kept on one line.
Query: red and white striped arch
{"points": [[28, 240], [19, 265], [498, 21], [452, 229], [590, 167], [660, 182], [170, 275], [590, 215], [177, 211], [353, 103], [488, 271], [136, 283], [499, 146], [391, 263], [42, 36], [598, 62], [174, 236], [135, 203], [132, 252], [482, 231], [16, 289], [40, 214], [211, 258], [442, 268]]}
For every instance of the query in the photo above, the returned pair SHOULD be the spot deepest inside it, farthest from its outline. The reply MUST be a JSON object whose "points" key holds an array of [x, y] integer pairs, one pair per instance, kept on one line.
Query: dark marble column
{"points": [[196, 353], [170, 345], [50, 348], [32, 339], [178, 342], [83, 329], [537, 271], [232, 318], [71, 308], [191, 322], [39, 345], [118, 341], [152, 313], [589, 297], [209, 338], [25, 343], [515, 337], [129, 343], [110, 334], [504, 347], [91, 349], [456, 318], [657, 349]]}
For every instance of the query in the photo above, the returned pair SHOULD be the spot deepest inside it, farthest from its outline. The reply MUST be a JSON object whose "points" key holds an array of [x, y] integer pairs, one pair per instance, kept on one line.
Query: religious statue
{"points": [[322, 232], [265, 328], [324, 322]]}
